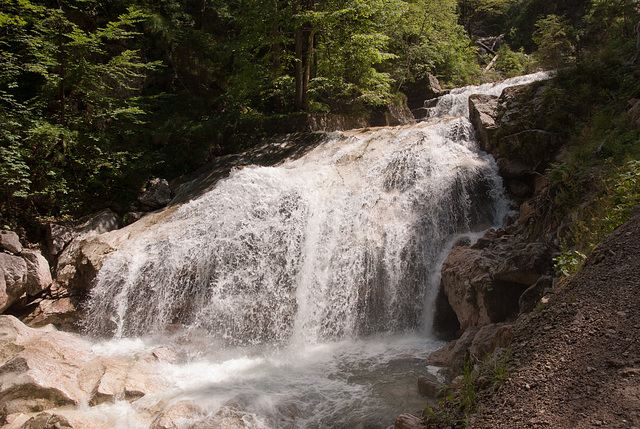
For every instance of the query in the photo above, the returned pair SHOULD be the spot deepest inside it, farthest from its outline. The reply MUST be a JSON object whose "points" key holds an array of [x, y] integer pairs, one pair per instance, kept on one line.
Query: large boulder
{"points": [[44, 375], [483, 112], [23, 272], [10, 242], [124, 377], [429, 385], [61, 312], [14, 337], [483, 282], [477, 342], [13, 279], [408, 421], [397, 113], [155, 195], [57, 238], [38, 272], [79, 261], [453, 353], [423, 89]]}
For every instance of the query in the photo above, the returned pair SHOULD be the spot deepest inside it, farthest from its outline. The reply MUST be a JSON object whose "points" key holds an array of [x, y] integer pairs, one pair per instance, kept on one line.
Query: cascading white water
{"points": [[456, 102], [338, 244], [313, 277]]}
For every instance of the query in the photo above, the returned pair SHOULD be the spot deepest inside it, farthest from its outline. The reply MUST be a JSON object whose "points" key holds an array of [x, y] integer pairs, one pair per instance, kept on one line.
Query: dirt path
{"points": [[576, 364]]}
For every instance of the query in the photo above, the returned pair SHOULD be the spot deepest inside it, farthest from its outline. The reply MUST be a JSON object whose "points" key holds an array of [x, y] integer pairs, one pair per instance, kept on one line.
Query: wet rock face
{"points": [[512, 128], [483, 282]]}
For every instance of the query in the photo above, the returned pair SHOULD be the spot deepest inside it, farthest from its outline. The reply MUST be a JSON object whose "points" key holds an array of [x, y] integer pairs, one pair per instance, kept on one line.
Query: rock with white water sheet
{"points": [[44, 369]]}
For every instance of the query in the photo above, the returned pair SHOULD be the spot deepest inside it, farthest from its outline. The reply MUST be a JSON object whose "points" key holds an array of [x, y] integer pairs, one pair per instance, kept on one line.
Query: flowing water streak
{"points": [[305, 281]]}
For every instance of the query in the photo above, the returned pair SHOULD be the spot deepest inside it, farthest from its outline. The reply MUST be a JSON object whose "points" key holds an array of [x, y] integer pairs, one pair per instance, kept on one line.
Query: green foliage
{"points": [[66, 94], [527, 13], [350, 45], [427, 39], [556, 41], [456, 405], [487, 17], [568, 263], [569, 184], [609, 20], [618, 193], [511, 64], [95, 97]]}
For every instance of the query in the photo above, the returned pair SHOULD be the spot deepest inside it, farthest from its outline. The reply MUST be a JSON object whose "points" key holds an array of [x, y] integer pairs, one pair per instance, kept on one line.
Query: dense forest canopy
{"points": [[96, 96]]}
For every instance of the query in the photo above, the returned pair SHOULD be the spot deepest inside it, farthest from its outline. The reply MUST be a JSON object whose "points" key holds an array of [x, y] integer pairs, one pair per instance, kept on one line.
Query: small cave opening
{"points": [[445, 321]]}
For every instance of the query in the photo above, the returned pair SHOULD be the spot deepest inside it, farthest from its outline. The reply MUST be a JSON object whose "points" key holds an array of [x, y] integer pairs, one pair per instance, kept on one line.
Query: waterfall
{"points": [[301, 295], [341, 243]]}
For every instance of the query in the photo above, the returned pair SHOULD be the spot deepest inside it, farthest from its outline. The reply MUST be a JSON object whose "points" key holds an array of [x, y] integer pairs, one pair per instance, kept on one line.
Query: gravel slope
{"points": [[576, 364]]}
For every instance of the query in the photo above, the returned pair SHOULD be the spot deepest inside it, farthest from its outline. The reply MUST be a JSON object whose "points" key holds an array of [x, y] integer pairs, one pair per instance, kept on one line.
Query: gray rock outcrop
{"points": [[483, 282], [511, 128], [13, 278], [10, 242], [155, 195], [23, 272]]}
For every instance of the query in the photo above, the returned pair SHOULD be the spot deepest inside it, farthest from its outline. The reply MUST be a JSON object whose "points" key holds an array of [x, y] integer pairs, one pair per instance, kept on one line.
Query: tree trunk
{"points": [[62, 61], [276, 48], [299, 75], [304, 58], [307, 71]]}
